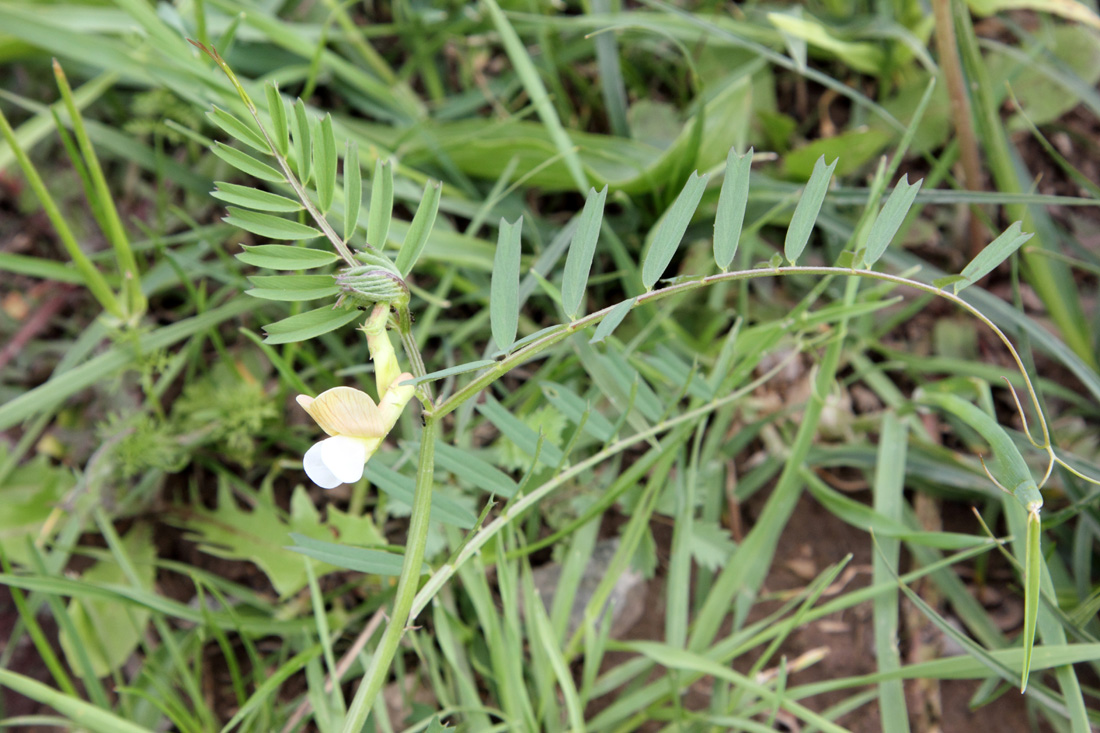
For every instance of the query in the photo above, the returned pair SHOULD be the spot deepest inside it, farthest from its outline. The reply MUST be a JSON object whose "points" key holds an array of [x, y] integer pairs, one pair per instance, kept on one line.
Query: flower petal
{"points": [[316, 469], [345, 411], [345, 457]]}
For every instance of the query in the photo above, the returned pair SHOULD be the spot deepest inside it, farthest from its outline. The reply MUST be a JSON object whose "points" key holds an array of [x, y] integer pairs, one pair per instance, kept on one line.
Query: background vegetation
{"points": [[751, 463]]}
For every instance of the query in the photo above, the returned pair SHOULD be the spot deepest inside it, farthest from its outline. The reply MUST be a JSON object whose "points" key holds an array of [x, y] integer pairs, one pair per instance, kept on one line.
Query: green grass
{"points": [[618, 324]]}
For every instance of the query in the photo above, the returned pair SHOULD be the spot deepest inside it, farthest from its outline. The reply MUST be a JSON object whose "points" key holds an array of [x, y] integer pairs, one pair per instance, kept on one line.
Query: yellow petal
{"points": [[345, 411]]}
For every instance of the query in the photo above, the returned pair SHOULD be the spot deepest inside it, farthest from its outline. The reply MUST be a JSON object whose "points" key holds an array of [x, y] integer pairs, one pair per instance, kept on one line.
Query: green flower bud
{"points": [[366, 285]]}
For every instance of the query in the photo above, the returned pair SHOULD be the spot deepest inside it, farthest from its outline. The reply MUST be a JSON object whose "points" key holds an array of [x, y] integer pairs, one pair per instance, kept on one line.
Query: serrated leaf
{"points": [[293, 288], [303, 147], [253, 198], [889, 219], [353, 189], [268, 225], [611, 321], [710, 545], [346, 557], [421, 227], [285, 257], [238, 130], [730, 216], [671, 230], [504, 286], [381, 204], [578, 262], [996, 252], [276, 109], [324, 162], [245, 163], [310, 324], [805, 213]]}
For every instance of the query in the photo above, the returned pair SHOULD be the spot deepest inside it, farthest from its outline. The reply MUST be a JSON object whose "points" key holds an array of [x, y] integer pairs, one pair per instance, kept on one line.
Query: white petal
{"points": [[316, 469], [344, 457]]}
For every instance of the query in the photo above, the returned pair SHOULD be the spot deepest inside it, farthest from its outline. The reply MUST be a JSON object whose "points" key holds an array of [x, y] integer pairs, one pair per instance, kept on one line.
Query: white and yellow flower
{"points": [[357, 427]]}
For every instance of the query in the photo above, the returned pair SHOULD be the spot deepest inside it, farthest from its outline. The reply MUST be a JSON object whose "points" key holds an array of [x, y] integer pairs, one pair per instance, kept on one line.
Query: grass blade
{"points": [[731, 207], [805, 214], [578, 262], [1032, 574], [671, 230], [504, 288]]}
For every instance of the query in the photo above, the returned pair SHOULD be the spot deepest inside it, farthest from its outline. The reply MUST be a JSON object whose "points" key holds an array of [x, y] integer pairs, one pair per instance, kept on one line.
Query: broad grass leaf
{"points": [[381, 204], [346, 557], [574, 407], [110, 630], [238, 130], [805, 214], [578, 262], [520, 433], [293, 288], [246, 164], [310, 324], [285, 257], [671, 230], [324, 161], [889, 219], [401, 488], [1033, 573], [253, 198], [504, 287], [276, 109], [303, 147], [416, 238], [473, 470], [353, 189], [731, 207], [996, 252], [268, 225]]}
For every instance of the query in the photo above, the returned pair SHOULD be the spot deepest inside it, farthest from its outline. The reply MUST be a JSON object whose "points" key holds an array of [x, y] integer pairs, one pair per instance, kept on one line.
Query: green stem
{"points": [[532, 349], [380, 662]]}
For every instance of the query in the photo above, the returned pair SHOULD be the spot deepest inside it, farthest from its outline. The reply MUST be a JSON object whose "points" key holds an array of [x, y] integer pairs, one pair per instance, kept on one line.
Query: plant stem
{"points": [[380, 662]]}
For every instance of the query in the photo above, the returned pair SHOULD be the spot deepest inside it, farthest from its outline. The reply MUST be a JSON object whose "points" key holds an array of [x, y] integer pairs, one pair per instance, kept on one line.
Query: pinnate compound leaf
{"points": [[671, 230], [238, 130], [293, 287], [253, 198], [381, 204], [324, 160], [504, 286], [310, 324], [267, 225], [996, 252], [731, 207], [353, 189], [416, 238], [578, 262], [246, 164], [285, 257], [280, 132], [710, 545], [805, 214], [889, 219]]}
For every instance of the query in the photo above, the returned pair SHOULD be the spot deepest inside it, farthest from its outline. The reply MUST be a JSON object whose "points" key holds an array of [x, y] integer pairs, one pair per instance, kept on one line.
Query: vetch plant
{"points": [[369, 279]]}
